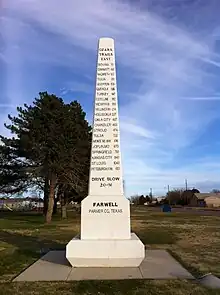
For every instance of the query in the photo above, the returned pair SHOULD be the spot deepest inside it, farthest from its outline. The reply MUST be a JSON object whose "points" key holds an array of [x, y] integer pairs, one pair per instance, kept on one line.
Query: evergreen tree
{"points": [[50, 147]]}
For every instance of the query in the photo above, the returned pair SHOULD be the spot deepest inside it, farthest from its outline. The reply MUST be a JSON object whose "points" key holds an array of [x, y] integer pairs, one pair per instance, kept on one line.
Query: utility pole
{"points": [[168, 190], [186, 184], [151, 195]]}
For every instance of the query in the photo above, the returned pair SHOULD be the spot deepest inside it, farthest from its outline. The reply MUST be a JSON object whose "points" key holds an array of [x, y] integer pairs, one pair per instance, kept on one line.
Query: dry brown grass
{"points": [[193, 239], [197, 237]]}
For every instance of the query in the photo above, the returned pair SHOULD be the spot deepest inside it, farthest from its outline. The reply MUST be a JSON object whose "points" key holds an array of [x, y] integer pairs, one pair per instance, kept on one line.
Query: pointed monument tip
{"points": [[106, 42], [106, 39]]}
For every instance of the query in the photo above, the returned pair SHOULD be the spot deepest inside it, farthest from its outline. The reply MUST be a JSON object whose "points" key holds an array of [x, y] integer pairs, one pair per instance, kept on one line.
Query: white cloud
{"points": [[72, 87], [170, 63], [133, 128], [202, 98]]}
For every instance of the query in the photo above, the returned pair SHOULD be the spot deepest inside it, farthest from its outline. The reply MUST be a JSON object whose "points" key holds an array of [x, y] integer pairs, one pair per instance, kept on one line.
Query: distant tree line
{"points": [[183, 197], [141, 200], [173, 197], [180, 196], [49, 150]]}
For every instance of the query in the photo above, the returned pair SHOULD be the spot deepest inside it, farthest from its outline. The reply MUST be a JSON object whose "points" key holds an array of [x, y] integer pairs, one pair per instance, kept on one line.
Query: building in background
{"points": [[211, 200]]}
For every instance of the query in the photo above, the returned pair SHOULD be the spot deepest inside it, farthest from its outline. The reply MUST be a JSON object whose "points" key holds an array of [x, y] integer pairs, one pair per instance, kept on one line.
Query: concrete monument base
{"points": [[158, 264], [105, 253]]}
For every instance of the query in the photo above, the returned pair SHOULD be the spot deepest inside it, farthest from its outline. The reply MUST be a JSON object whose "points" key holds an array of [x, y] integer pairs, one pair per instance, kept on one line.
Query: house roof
{"points": [[202, 196]]}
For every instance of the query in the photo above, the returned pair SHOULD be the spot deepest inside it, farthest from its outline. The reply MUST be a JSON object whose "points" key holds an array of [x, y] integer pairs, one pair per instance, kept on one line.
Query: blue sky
{"points": [[168, 73]]}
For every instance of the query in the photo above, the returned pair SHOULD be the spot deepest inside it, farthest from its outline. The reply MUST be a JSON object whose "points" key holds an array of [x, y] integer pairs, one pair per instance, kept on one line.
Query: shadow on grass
{"points": [[24, 243], [21, 214], [20, 219], [157, 236], [34, 217], [25, 251]]}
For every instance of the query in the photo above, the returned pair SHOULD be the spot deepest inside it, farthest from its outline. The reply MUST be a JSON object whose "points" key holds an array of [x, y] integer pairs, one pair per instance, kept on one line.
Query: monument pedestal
{"points": [[106, 240], [105, 253]]}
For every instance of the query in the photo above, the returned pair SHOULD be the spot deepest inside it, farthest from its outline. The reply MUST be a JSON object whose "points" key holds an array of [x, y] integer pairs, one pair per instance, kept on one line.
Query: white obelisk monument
{"points": [[106, 239]]}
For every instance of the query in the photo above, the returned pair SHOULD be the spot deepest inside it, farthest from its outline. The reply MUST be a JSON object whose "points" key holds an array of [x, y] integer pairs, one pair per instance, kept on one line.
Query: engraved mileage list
{"points": [[105, 169]]}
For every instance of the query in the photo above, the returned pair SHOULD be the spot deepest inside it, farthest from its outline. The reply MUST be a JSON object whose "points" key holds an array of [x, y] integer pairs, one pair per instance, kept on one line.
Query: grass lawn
{"points": [[194, 240]]}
